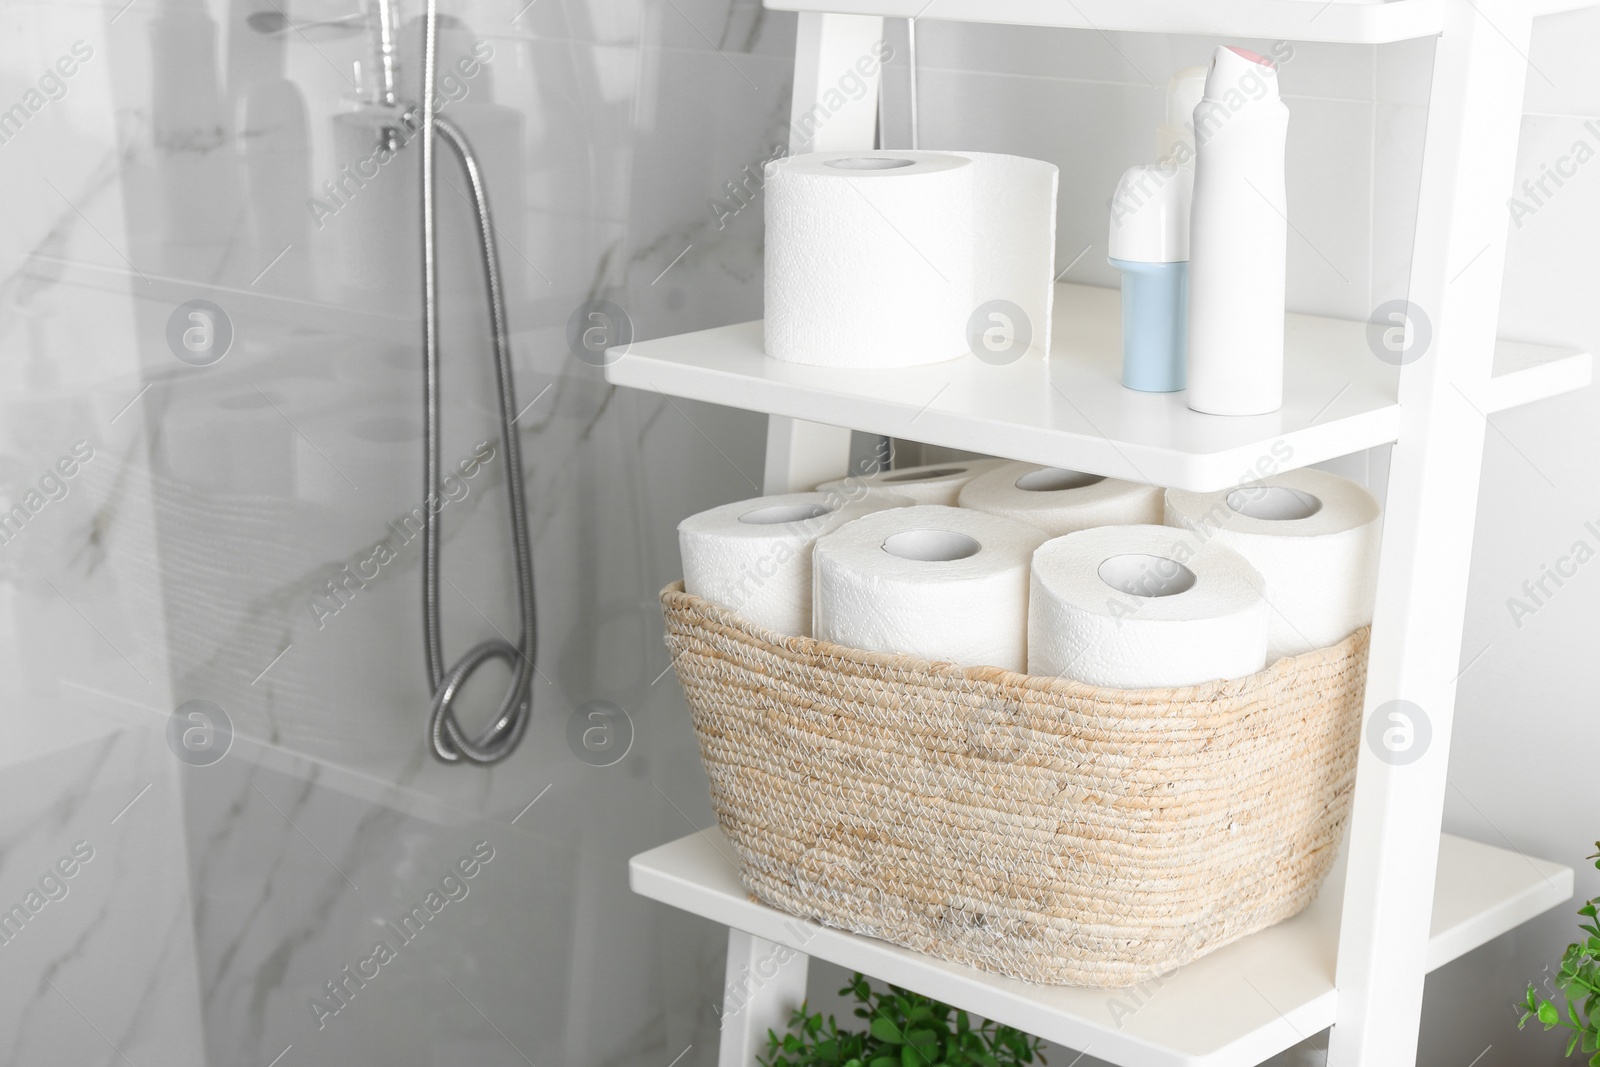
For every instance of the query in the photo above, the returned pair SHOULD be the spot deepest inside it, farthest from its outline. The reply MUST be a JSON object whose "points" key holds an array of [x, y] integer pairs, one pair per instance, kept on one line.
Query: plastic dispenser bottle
{"points": [[1238, 240], [1175, 136], [1150, 246], [275, 156]]}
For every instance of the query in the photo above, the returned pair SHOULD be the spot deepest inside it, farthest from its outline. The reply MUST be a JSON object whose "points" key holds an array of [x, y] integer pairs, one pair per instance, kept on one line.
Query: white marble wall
{"points": [[183, 560]]}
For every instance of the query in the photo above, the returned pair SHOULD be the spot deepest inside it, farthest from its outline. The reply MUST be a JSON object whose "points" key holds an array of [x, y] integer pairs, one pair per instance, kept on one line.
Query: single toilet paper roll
{"points": [[892, 259], [1060, 501], [1314, 538], [754, 556], [236, 439], [1114, 606], [931, 581], [931, 483]]}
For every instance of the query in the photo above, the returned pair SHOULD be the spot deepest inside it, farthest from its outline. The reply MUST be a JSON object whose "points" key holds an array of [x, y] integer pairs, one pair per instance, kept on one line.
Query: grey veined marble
{"points": [[221, 838]]}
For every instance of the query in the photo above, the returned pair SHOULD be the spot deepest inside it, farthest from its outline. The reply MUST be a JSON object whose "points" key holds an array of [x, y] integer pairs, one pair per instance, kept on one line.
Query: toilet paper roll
{"points": [[893, 259], [754, 556], [233, 438], [1113, 606], [1060, 501], [1314, 538], [931, 581], [931, 483]]}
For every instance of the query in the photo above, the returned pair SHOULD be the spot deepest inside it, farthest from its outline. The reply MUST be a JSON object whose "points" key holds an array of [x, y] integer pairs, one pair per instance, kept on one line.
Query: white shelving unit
{"points": [[1232, 1008], [1072, 411], [1404, 899]]}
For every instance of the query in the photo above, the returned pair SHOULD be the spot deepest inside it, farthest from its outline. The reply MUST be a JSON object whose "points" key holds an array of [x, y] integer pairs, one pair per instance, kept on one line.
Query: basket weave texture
{"points": [[1038, 827]]}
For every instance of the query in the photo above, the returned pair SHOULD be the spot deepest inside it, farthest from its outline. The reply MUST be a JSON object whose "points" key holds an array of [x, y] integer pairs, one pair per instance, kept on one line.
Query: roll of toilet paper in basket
{"points": [[1060, 501], [754, 556], [1314, 538], [937, 582], [1114, 606], [931, 483], [892, 259]]}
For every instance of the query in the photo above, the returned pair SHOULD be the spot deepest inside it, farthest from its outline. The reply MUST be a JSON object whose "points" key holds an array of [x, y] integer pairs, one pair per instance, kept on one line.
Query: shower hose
{"points": [[449, 741]]}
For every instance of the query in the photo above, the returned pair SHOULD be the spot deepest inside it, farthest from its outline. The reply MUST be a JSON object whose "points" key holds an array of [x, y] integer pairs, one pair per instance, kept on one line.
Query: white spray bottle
{"points": [[1238, 240]]}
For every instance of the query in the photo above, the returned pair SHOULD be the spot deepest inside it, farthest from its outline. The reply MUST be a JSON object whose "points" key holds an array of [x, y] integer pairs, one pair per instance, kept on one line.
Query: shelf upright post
{"points": [[765, 980], [1475, 110], [824, 116]]}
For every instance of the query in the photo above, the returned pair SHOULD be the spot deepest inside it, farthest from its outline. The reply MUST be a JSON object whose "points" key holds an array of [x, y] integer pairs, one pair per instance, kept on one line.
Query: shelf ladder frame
{"points": [[1480, 70], [1458, 258]]}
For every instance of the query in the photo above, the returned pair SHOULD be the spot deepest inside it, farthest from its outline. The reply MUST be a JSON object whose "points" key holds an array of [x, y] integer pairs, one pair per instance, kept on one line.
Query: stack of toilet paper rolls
{"points": [[754, 556], [1061, 501], [933, 581], [931, 483], [1314, 538], [1113, 606], [1049, 571]]}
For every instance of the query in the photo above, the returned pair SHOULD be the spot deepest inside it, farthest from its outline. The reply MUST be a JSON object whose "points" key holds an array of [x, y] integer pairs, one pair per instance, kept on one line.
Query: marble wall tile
{"points": [[99, 964]]}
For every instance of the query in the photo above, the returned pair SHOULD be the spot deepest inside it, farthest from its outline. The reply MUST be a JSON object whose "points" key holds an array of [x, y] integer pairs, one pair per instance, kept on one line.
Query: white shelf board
{"points": [[1072, 410], [1234, 1008], [1341, 21], [1524, 373]]}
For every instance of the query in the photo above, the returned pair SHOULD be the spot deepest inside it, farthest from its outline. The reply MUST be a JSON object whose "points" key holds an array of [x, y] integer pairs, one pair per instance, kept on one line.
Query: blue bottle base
{"points": [[1155, 325]]}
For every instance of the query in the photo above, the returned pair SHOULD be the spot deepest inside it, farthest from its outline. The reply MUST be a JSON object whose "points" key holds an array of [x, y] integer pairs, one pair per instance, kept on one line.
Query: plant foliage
{"points": [[903, 1029], [1576, 988]]}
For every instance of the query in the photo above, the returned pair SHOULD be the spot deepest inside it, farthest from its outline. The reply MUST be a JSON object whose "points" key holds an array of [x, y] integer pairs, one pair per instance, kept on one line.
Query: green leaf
{"points": [[1548, 1014], [903, 1029], [886, 1031]]}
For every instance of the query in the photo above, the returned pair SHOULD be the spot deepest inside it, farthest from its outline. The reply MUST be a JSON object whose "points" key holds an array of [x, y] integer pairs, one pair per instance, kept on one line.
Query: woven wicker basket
{"points": [[1038, 827]]}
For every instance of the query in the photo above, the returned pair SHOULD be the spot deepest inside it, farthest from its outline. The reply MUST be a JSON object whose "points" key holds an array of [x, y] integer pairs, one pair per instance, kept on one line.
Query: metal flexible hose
{"points": [[448, 740]]}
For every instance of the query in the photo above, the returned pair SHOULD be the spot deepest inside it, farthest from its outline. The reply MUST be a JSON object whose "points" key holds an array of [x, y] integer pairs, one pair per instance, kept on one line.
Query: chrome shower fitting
{"points": [[448, 740], [384, 49], [381, 20], [277, 24]]}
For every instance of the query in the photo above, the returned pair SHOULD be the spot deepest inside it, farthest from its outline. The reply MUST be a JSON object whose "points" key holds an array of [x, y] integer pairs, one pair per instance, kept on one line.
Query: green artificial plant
{"points": [[904, 1029], [1577, 984]]}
